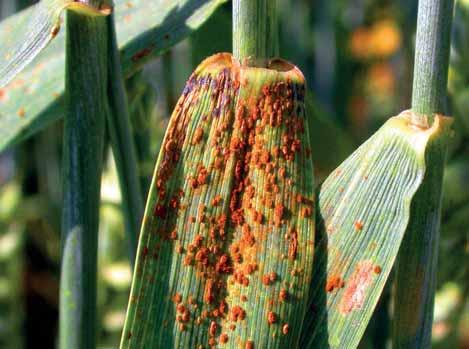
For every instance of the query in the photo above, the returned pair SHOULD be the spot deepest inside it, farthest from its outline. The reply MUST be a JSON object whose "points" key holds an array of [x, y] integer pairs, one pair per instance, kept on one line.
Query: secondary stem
{"points": [[86, 104], [431, 59], [123, 146], [255, 31]]}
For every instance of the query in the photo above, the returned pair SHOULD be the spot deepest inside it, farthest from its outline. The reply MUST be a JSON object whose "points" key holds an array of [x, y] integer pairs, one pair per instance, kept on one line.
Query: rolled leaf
{"points": [[225, 252], [363, 211]]}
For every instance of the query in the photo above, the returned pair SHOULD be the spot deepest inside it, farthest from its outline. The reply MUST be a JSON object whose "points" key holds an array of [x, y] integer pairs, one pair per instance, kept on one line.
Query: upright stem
{"points": [[431, 59], [123, 145], [255, 31], [86, 106], [416, 265]]}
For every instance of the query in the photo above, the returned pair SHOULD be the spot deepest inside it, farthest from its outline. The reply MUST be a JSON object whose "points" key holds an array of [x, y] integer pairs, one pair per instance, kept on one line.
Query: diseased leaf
{"points": [[364, 209], [145, 29], [225, 252]]}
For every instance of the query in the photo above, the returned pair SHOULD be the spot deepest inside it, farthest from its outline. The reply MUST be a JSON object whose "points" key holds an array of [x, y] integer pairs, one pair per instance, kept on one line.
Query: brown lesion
{"points": [[357, 286]]}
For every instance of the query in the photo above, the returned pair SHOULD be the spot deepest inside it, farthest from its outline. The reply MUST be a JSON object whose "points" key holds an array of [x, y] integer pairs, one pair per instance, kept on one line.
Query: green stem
{"points": [[168, 79], [417, 260], [86, 104], [141, 120], [255, 31], [123, 146], [431, 59]]}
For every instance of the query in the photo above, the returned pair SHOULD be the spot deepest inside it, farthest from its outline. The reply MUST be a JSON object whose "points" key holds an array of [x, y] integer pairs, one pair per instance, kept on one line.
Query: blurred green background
{"points": [[357, 56]]}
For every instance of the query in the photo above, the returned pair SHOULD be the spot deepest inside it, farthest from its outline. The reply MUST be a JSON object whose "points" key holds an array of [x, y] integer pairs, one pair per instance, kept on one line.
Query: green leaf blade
{"points": [[34, 99], [364, 210], [30, 32], [144, 32]]}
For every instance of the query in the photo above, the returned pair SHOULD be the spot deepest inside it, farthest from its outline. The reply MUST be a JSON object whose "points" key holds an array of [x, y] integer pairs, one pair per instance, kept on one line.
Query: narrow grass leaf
{"points": [[225, 252], [34, 98], [28, 35], [363, 211]]}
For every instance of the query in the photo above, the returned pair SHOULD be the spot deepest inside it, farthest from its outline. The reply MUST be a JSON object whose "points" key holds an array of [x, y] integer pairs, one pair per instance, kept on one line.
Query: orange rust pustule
{"points": [[237, 313], [293, 245], [198, 135], [271, 317], [357, 285], [3, 94], [269, 279], [223, 338], [143, 53], [358, 225], [177, 298], [216, 200], [278, 214], [283, 295], [334, 282], [212, 330], [21, 112]]}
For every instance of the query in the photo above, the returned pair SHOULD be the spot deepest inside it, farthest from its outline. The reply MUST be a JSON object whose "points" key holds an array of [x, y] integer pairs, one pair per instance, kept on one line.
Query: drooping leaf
{"points": [[363, 211], [225, 252], [145, 29], [28, 35]]}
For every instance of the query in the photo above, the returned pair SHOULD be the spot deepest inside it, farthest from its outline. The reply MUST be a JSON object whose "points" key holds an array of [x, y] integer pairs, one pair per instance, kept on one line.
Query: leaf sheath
{"points": [[86, 86]]}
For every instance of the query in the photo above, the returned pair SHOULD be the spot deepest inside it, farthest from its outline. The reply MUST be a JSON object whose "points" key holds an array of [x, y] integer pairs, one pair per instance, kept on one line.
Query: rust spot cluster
{"points": [[205, 253], [269, 279]]}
